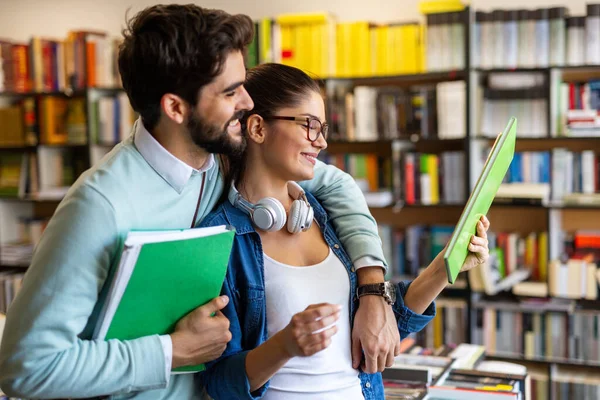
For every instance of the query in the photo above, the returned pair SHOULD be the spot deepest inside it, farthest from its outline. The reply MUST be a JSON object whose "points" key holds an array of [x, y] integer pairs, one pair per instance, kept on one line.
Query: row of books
{"points": [[429, 179], [111, 119], [523, 38], [412, 177], [579, 109], [320, 45], [55, 120], [46, 173], [511, 251], [453, 372], [47, 120], [548, 332], [501, 95], [19, 124], [10, 284], [410, 250], [579, 383], [366, 113], [557, 176], [82, 59], [20, 251]]}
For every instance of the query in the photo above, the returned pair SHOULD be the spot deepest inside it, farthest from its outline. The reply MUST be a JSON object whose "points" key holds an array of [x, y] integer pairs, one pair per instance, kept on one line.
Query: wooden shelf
{"points": [[67, 93], [543, 360], [17, 149], [515, 70], [548, 143], [404, 80], [64, 145], [384, 147]]}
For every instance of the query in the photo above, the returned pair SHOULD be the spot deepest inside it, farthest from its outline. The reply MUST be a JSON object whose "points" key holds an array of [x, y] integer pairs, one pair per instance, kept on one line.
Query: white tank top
{"points": [[329, 373]]}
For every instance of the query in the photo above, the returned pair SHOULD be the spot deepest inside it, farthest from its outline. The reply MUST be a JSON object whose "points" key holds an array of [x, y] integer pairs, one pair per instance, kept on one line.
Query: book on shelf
{"points": [[574, 383], [465, 384], [553, 329]]}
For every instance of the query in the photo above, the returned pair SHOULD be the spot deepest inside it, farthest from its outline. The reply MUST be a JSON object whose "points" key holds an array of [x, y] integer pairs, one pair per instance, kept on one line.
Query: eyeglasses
{"points": [[313, 126]]}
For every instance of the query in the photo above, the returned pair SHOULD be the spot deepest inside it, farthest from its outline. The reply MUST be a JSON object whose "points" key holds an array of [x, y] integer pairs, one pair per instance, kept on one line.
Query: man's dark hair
{"points": [[176, 49]]}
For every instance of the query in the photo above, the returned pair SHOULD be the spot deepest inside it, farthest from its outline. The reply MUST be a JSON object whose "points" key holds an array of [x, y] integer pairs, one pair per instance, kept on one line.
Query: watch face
{"points": [[390, 291]]}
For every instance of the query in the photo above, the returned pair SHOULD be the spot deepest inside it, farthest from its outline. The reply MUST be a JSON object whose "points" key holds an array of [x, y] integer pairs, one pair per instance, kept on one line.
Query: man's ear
{"points": [[255, 128], [175, 108]]}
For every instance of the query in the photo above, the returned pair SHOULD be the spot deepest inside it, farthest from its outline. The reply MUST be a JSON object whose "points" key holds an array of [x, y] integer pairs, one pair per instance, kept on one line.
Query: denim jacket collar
{"points": [[243, 222]]}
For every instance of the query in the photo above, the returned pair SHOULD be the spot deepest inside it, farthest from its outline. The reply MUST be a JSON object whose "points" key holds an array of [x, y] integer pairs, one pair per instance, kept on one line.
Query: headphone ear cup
{"points": [[295, 222], [301, 216], [309, 217], [269, 215]]}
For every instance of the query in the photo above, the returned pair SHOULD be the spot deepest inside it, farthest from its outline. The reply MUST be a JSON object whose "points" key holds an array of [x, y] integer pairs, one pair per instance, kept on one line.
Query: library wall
{"points": [[19, 19]]}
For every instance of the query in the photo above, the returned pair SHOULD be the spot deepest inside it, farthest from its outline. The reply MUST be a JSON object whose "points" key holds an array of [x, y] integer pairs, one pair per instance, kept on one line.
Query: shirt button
{"points": [[368, 385], [336, 246]]}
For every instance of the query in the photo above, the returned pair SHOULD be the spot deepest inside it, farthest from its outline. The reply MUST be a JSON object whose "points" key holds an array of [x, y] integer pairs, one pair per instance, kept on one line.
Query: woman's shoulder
{"points": [[215, 217], [320, 213]]}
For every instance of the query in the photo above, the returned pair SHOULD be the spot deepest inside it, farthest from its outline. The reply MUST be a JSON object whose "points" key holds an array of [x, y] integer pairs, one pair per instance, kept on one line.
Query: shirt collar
{"points": [[172, 169]]}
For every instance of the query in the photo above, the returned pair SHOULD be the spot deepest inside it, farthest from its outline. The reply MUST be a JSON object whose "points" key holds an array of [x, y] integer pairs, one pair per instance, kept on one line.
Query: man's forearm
{"points": [[348, 211], [367, 275], [427, 286]]}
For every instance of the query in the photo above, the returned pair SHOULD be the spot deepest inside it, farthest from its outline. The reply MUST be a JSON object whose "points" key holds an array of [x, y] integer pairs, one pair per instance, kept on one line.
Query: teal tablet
{"points": [[481, 198]]}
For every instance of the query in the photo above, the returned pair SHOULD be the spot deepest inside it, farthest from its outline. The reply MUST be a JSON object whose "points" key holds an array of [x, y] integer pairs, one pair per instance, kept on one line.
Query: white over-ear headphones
{"points": [[270, 215]]}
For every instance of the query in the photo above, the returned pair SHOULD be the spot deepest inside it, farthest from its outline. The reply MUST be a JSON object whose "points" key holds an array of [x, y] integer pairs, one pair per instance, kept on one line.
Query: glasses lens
{"points": [[325, 130], [314, 129]]}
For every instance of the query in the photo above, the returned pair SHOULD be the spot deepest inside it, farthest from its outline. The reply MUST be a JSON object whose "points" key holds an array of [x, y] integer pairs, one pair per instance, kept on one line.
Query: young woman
{"points": [[293, 288]]}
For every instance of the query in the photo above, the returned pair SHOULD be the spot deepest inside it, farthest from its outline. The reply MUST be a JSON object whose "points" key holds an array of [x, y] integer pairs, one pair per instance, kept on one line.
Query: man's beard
{"points": [[215, 139]]}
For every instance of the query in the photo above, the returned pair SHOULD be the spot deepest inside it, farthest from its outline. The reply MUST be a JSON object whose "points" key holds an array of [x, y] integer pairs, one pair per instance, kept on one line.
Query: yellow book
{"points": [[339, 51], [422, 48], [440, 6], [373, 46], [303, 18], [391, 51], [432, 161], [346, 48], [364, 48], [543, 256], [438, 328], [318, 58], [287, 47], [265, 45], [411, 61], [298, 48], [382, 49]]}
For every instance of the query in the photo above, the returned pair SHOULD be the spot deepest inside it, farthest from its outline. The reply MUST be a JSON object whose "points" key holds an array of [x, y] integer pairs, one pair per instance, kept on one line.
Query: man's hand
{"points": [[376, 332], [200, 337]]}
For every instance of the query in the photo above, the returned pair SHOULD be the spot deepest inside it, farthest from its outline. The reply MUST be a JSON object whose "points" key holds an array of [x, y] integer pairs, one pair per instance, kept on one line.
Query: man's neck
{"points": [[257, 183], [180, 145]]}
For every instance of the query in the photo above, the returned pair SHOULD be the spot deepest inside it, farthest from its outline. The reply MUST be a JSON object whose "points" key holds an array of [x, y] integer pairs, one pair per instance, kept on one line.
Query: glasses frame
{"points": [[307, 121]]}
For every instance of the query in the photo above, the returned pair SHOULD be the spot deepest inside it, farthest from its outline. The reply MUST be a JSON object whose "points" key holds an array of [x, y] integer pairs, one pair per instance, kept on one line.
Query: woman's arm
{"points": [[297, 339], [430, 283]]}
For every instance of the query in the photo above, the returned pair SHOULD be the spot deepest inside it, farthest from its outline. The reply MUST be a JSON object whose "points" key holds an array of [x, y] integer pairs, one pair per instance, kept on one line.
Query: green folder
{"points": [[481, 198], [161, 277]]}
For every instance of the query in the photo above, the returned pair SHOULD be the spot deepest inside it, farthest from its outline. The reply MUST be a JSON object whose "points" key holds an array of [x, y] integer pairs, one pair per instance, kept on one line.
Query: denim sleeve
{"points": [[226, 378], [409, 321]]}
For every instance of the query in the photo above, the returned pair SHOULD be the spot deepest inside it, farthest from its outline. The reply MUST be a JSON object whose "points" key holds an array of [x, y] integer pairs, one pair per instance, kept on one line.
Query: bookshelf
{"points": [[471, 74]]}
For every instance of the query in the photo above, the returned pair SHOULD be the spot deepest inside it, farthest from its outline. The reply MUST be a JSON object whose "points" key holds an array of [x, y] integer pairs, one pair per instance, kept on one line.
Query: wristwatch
{"points": [[387, 290]]}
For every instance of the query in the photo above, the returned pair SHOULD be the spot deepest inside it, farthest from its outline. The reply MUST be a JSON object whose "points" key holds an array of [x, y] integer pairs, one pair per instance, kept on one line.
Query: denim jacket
{"points": [[225, 378]]}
